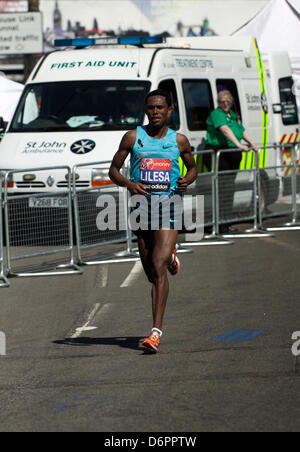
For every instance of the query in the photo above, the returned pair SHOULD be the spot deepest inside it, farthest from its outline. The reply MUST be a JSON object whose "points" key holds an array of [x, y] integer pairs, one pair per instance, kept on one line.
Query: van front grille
{"points": [[79, 183], [30, 184]]}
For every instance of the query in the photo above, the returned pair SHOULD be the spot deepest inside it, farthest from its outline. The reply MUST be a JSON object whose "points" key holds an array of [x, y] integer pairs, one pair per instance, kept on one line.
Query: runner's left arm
{"points": [[188, 160]]}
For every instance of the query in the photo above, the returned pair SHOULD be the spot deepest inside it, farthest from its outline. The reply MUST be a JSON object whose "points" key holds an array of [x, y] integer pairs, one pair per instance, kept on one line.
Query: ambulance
{"points": [[80, 100]]}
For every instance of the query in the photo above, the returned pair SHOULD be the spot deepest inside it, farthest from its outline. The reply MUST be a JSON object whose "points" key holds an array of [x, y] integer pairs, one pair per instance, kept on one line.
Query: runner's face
{"points": [[157, 111]]}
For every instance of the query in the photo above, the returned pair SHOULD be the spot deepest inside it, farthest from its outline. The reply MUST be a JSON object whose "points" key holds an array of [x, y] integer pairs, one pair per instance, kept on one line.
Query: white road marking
{"points": [[86, 326], [133, 275], [102, 276]]}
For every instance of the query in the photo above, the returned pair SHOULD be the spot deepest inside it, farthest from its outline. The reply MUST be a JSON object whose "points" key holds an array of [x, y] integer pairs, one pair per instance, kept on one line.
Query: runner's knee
{"points": [[159, 267]]}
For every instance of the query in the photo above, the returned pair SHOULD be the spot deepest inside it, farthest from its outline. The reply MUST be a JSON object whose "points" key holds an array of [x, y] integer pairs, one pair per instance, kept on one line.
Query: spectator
{"points": [[224, 130]]}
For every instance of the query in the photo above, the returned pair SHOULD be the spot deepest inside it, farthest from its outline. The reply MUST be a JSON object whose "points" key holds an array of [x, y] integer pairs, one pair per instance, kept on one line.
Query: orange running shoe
{"points": [[152, 342], [174, 265]]}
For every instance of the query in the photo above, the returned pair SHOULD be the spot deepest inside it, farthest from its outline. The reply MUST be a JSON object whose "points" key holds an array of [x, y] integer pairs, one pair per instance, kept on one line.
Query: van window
{"points": [[174, 119], [230, 85], [289, 112], [198, 102], [86, 105]]}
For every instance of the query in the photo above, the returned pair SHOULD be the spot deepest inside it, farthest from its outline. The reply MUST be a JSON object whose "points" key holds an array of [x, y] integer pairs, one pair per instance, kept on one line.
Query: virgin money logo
{"points": [[147, 164]]}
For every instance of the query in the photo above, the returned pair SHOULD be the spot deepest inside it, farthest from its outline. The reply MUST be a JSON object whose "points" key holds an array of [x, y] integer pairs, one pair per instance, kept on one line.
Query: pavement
{"points": [[74, 361]]}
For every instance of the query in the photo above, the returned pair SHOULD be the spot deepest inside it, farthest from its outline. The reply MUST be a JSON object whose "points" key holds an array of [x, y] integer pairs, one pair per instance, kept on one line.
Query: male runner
{"points": [[162, 146]]}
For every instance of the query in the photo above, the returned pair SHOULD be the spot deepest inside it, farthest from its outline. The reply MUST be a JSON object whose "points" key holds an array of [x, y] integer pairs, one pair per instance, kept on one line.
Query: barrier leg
{"points": [[255, 231], [3, 279], [215, 238]]}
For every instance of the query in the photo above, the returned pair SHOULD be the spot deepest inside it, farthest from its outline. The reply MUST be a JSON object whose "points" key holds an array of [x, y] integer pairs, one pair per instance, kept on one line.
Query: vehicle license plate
{"points": [[49, 202]]}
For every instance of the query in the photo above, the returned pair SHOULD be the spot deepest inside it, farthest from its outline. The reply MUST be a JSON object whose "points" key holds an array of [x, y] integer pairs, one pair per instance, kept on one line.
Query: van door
{"points": [[280, 83], [284, 105], [228, 84], [190, 116], [198, 104]]}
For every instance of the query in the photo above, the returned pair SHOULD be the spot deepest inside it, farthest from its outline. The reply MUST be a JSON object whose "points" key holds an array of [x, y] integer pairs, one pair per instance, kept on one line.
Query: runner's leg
{"points": [[164, 241], [145, 249], [145, 245]]}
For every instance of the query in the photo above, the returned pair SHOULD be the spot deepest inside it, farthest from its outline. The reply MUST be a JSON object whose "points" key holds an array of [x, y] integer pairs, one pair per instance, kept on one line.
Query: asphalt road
{"points": [[225, 362]]}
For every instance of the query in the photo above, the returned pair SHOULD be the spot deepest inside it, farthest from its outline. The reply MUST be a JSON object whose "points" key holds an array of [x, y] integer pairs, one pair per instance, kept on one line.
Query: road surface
{"points": [[74, 362]]}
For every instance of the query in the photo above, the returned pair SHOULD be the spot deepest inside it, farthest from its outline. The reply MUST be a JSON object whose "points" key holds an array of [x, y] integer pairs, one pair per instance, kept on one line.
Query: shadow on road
{"points": [[126, 342]]}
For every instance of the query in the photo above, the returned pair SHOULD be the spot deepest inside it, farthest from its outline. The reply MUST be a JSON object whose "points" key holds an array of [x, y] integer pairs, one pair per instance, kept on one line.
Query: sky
{"points": [[155, 16]]}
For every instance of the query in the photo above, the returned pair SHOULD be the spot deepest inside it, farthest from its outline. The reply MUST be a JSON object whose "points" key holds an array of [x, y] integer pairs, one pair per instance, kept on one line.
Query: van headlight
{"points": [[100, 177]]}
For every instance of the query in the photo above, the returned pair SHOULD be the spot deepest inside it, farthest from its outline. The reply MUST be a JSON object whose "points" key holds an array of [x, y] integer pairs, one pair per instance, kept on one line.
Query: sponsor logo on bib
{"points": [[156, 174]]}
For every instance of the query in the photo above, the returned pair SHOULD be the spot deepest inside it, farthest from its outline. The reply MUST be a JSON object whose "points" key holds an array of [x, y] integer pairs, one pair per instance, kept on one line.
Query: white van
{"points": [[78, 102]]}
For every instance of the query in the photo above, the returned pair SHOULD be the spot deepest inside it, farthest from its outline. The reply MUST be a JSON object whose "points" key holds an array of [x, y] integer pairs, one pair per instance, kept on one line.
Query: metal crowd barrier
{"points": [[3, 279], [38, 226], [241, 196], [236, 197], [92, 228], [281, 199], [297, 177], [205, 185]]}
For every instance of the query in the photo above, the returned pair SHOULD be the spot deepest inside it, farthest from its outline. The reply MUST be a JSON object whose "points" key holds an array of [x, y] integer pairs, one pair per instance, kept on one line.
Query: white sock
{"points": [[157, 332], [173, 256]]}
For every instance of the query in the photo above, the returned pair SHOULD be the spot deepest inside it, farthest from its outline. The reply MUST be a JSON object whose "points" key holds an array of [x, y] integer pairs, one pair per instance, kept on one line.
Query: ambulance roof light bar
{"points": [[123, 40]]}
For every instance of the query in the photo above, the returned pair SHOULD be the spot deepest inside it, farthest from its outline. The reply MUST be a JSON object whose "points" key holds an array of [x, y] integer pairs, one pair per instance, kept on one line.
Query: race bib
{"points": [[156, 174]]}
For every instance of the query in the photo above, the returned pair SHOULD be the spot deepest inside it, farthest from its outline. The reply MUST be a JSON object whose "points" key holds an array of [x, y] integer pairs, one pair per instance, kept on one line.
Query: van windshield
{"points": [[87, 105]]}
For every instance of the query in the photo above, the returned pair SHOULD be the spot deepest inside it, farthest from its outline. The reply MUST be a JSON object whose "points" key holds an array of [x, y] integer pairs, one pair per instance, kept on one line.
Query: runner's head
{"points": [[160, 92], [158, 108]]}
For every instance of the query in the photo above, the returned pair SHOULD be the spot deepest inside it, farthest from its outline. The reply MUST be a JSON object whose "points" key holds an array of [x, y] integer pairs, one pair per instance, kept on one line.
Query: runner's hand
{"points": [[182, 184], [136, 188]]}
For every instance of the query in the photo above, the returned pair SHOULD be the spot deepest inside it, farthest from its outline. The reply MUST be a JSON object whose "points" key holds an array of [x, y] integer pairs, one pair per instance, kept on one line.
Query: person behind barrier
{"points": [[225, 130], [155, 177]]}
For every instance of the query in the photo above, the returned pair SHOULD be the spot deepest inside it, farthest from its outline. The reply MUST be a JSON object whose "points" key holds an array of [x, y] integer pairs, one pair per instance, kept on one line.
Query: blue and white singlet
{"points": [[154, 162]]}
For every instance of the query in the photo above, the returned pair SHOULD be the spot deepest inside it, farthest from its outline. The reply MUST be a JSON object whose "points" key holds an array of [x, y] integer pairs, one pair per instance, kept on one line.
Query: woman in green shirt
{"points": [[224, 131], [223, 128]]}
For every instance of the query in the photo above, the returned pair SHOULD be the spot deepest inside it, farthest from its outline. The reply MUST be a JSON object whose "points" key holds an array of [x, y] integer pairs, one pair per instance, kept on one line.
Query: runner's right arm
{"points": [[125, 148]]}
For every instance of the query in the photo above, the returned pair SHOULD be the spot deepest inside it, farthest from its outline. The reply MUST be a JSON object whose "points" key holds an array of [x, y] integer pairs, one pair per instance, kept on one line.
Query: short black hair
{"points": [[160, 92]]}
